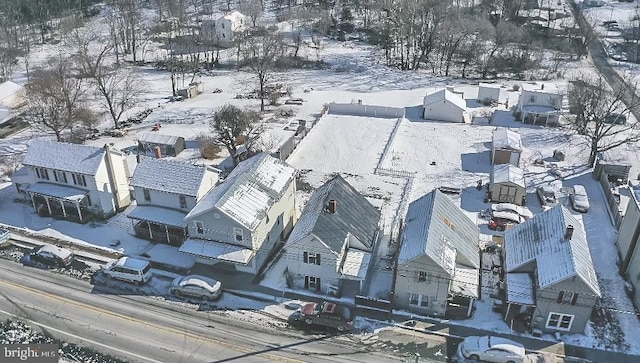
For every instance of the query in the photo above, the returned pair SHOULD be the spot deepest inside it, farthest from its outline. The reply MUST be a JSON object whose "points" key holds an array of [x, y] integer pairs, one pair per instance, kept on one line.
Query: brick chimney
{"points": [[568, 233], [333, 206]]}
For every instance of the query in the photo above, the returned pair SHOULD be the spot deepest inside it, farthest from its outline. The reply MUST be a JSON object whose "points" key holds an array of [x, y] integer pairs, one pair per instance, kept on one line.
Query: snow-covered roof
{"points": [[354, 215], [133, 263], [465, 282], [234, 16], [507, 173], [543, 239], [439, 229], [170, 217], [540, 88], [8, 89], [169, 176], [156, 138], [445, 94], [249, 191], [490, 85], [356, 263], [520, 288], [58, 191], [73, 158], [506, 139], [217, 250]]}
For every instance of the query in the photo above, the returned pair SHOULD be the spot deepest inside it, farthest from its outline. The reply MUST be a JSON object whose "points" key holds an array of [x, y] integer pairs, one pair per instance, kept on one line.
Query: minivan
{"points": [[129, 269]]}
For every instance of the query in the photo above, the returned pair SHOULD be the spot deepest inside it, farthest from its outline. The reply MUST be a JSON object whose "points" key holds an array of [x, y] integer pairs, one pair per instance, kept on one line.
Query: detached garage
{"points": [[506, 147], [158, 145], [445, 105], [507, 185]]}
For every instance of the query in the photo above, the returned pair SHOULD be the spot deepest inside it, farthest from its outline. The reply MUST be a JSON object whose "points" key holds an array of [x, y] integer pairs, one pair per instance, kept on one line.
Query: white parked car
{"points": [[129, 269], [196, 286], [579, 199], [514, 208], [491, 349]]}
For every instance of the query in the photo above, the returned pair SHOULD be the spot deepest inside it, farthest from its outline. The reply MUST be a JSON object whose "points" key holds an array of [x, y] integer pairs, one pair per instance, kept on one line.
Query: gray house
{"points": [[628, 243], [165, 191], [550, 274], [240, 222], [330, 247], [439, 260]]}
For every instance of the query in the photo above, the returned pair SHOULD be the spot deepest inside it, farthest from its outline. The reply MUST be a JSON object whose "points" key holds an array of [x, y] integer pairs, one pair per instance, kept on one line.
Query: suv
{"points": [[49, 256], [547, 196], [327, 314], [129, 269]]}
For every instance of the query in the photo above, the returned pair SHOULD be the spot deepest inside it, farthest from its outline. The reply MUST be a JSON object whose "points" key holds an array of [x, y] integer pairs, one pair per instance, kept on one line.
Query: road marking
{"points": [[127, 353], [233, 347]]}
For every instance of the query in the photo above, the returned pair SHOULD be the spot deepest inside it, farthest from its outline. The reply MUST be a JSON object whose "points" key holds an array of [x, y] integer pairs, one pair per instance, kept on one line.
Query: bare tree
{"points": [[601, 113], [260, 55], [11, 163], [233, 125], [252, 9]]}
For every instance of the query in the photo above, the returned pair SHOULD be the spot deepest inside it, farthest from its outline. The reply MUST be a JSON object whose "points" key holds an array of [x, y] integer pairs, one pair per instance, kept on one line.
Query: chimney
{"points": [[138, 158], [359, 102], [542, 86], [333, 206], [158, 152], [568, 233]]}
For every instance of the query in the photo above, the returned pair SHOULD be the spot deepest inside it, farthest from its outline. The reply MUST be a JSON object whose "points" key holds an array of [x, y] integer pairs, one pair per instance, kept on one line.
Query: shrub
{"points": [[209, 148]]}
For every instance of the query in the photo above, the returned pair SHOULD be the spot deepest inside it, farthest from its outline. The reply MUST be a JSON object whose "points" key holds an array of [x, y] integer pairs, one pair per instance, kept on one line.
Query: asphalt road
{"points": [[144, 329]]}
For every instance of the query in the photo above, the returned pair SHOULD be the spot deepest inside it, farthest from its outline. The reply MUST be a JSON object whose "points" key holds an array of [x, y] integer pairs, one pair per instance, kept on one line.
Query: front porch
{"points": [[540, 115], [159, 224], [58, 201]]}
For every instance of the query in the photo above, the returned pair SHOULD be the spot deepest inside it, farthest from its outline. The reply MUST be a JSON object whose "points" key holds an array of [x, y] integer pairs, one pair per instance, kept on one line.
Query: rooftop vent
{"points": [[333, 206], [568, 233]]}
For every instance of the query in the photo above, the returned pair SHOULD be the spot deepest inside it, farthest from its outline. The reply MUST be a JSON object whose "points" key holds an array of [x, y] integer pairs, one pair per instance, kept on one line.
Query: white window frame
{"points": [[559, 319], [312, 283], [423, 276], [418, 299], [311, 258]]}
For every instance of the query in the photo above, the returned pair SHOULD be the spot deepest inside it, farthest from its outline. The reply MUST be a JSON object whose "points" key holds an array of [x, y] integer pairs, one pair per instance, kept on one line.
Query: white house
{"points": [[221, 30], [506, 147], [439, 260], [539, 103], [330, 247], [444, 105], [489, 92], [72, 181], [241, 220], [165, 191]]}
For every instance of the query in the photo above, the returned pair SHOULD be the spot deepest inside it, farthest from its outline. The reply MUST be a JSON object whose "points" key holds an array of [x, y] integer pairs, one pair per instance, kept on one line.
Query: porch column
{"points": [[166, 231], [78, 208], [471, 300], [46, 199], [33, 201], [64, 212], [149, 228]]}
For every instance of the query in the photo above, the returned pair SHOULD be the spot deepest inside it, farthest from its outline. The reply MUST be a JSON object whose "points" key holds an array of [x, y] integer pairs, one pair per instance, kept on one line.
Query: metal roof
{"points": [[170, 217], [169, 176], [73, 158], [354, 215], [506, 139], [507, 173], [156, 138], [542, 239], [217, 250], [439, 229]]}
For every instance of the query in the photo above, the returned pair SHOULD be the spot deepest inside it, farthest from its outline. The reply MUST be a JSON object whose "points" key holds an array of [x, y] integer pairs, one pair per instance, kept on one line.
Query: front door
{"points": [[507, 194]]}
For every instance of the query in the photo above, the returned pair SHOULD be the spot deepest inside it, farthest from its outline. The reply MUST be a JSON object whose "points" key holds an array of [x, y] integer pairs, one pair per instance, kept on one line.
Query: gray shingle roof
{"points": [[249, 190], [73, 158], [542, 238], [157, 138], [354, 215], [439, 229], [169, 176]]}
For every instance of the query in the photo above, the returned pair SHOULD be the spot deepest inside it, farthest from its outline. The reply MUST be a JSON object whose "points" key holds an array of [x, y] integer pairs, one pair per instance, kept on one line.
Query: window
{"points": [[424, 301], [42, 173], [422, 276], [414, 299], [567, 298], [83, 181], [312, 258], [532, 99], [418, 300], [88, 200], [60, 176], [147, 194], [559, 321], [238, 233], [183, 201], [312, 283], [199, 227], [75, 181]]}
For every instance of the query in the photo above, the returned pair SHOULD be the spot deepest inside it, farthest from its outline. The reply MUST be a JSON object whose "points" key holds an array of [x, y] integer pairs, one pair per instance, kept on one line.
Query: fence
{"points": [[612, 201], [358, 109]]}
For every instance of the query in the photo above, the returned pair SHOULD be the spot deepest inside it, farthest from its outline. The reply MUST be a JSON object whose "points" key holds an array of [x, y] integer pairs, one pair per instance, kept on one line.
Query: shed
{"points": [[507, 185], [506, 147], [11, 95], [489, 92], [444, 105], [159, 145]]}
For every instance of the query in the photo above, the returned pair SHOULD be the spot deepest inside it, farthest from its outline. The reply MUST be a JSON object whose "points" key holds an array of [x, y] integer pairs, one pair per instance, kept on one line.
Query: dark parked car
{"points": [[327, 314], [48, 256], [615, 118]]}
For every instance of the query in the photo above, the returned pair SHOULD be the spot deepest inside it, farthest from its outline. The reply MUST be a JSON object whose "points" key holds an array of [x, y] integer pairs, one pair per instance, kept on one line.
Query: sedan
{"points": [[196, 286], [579, 199], [491, 349], [48, 256], [547, 196]]}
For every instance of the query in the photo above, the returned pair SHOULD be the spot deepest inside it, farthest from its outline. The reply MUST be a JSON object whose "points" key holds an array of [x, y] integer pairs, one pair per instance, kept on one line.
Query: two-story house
{"points": [[165, 191], [539, 103], [330, 247], [72, 181], [439, 260], [549, 272], [241, 220], [221, 30], [628, 243]]}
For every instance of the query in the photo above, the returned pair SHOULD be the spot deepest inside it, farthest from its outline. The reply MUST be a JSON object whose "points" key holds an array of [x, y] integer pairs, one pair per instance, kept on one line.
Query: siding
{"points": [[326, 271], [437, 287], [443, 111], [547, 303], [162, 199]]}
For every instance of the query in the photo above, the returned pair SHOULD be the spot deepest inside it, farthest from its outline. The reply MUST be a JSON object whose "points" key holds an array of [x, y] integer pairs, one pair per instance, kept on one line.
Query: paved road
{"points": [[144, 329]]}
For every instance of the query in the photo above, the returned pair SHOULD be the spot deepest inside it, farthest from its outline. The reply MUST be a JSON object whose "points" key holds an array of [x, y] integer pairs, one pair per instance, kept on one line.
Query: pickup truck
{"points": [[4, 236]]}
